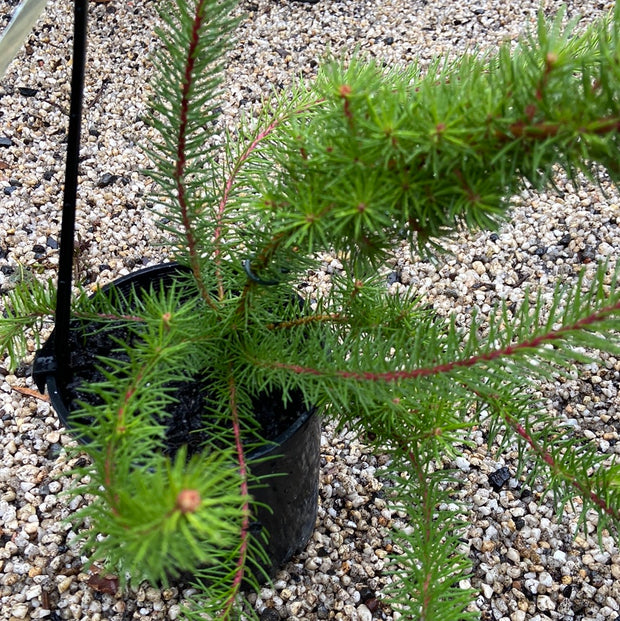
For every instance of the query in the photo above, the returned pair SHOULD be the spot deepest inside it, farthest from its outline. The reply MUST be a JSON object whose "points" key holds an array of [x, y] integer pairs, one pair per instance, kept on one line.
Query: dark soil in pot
{"points": [[185, 422]]}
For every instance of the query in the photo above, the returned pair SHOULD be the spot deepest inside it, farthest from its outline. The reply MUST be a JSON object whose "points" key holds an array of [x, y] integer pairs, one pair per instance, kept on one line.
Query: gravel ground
{"points": [[528, 564]]}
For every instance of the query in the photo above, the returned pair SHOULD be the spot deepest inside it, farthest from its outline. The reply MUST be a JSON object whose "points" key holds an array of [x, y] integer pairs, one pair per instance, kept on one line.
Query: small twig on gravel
{"points": [[30, 393]]}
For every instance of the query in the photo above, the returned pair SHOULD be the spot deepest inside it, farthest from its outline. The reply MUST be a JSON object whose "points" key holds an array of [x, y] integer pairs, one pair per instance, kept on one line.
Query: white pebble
{"points": [[560, 556], [487, 590], [363, 613], [462, 463], [20, 611], [544, 602]]}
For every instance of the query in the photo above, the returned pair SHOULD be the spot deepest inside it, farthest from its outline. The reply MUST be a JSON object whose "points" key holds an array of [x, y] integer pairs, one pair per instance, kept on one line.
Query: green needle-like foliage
{"points": [[351, 163]]}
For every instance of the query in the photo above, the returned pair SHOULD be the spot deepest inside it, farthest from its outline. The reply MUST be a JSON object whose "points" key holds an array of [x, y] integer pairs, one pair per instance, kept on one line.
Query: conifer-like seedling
{"points": [[352, 162]]}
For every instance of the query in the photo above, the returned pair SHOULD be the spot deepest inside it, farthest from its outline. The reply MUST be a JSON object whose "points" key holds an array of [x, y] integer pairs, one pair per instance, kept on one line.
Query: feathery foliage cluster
{"points": [[350, 163]]}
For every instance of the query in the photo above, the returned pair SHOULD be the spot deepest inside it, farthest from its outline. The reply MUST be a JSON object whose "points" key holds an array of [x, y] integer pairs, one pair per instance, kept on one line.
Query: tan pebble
{"points": [[53, 437], [34, 571], [487, 546], [63, 583], [295, 608], [10, 579], [31, 528], [567, 579], [479, 267], [8, 496]]}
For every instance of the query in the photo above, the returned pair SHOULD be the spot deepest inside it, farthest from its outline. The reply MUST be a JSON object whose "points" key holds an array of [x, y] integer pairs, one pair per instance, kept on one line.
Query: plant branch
{"points": [[558, 469], [181, 155], [245, 524], [440, 369]]}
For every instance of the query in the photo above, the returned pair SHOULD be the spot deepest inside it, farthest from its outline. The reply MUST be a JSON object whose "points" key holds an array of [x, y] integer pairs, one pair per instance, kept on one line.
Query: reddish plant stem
{"points": [[108, 476], [472, 197], [301, 321], [545, 129], [557, 468], [181, 155], [110, 316], [120, 428], [505, 352], [228, 186], [245, 524]]}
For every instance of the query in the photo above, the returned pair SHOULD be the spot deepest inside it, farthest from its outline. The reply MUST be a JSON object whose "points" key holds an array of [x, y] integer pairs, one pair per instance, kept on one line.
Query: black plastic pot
{"points": [[288, 468]]}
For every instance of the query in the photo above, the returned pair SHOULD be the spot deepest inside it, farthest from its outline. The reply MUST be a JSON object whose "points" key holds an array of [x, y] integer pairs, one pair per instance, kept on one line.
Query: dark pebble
{"points": [[103, 267], [372, 604], [587, 255], [93, 131], [519, 523], [531, 596], [540, 251], [27, 92], [393, 277], [526, 492], [493, 237], [269, 614], [567, 591], [389, 40], [38, 249], [48, 175], [23, 370], [499, 478], [7, 270], [9, 189], [106, 180], [52, 243], [565, 240], [322, 612], [5, 142]]}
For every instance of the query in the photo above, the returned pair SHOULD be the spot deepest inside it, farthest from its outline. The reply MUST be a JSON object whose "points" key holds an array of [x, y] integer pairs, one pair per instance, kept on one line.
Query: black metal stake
{"points": [[67, 233]]}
